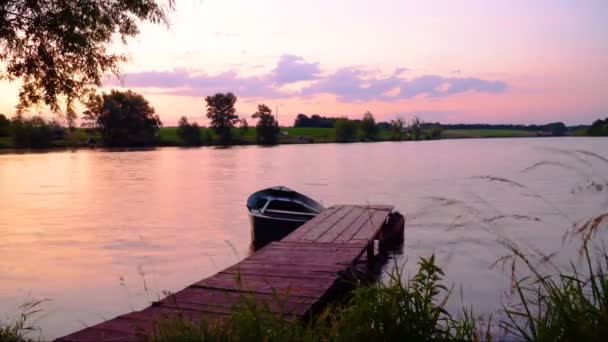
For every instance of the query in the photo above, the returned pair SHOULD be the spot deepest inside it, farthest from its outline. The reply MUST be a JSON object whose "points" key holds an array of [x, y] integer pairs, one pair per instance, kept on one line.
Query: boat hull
{"points": [[265, 229]]}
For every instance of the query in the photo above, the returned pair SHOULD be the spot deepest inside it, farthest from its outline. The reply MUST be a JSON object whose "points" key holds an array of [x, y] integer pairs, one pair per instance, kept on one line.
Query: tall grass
{"points": [[413, 309], [18, 329]]}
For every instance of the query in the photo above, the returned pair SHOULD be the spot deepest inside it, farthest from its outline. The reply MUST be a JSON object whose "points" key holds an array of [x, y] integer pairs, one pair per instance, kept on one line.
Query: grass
{"points": [[18, 329], [485, 133]]}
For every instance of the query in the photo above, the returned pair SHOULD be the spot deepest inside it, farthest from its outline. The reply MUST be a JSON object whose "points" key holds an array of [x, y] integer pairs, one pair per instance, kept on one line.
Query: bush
{"points": [[346, 130], [189, 133], [33, 132]]}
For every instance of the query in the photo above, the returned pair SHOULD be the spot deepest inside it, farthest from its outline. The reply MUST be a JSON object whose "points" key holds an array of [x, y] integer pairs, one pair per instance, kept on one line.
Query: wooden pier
{"points": [[310, 265]]}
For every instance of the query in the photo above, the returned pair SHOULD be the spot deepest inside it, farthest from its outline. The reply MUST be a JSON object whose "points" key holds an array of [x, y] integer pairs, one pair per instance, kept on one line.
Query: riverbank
{"points": [[289, 135]]}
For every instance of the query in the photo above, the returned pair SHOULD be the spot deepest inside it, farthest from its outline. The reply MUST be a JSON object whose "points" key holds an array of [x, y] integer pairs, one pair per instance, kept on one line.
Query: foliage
{"points": [[416, 128], [598, 128], [368, 126], [398, 129], [435, 132], [556, 128], [189, 133], [564, 306], [17, 330], [267, 128], [60, 48], [34, 132], [221, 111], [315, 120], [5, 126], [123, 118], [411, 310], [346, 130]]}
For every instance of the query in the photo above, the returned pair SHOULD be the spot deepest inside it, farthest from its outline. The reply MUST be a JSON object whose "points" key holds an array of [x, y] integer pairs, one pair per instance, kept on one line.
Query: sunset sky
{"points": [[516, 61]]}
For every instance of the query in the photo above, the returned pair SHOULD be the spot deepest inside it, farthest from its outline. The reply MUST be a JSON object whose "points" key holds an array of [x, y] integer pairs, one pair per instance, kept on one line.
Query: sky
{"points": [[515, 61]]}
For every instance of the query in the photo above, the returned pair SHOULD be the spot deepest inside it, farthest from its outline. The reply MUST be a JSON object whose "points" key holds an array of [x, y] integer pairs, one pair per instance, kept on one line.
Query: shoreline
{"points": [[63, 148]]}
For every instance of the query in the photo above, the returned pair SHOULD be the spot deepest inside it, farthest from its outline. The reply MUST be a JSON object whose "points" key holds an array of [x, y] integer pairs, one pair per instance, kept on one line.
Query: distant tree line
{"points": [[315, 120]]}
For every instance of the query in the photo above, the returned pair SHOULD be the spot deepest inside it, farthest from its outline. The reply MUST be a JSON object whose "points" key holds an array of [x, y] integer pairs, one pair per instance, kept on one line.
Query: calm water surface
{"points": [[102, 233]]}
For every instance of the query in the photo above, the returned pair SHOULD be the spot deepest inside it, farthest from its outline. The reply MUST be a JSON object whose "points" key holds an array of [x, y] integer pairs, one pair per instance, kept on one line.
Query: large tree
{"points": [[123, 118], [59, 48], [368, 126], [221, 112], [267, 128]]}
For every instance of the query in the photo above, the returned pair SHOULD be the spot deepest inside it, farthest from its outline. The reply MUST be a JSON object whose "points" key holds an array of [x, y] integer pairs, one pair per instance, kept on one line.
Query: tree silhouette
{"points": [[267, 128], [368, 126], [59, 48], [123, 118], [221, 111]]}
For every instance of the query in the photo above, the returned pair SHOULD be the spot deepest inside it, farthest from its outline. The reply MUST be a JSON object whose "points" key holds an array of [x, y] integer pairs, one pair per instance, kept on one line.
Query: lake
{"points": [[101, 233]]}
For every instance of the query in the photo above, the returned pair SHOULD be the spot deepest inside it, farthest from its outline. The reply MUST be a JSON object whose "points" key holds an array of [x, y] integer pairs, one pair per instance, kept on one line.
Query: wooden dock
{"points": [[310, 265]]}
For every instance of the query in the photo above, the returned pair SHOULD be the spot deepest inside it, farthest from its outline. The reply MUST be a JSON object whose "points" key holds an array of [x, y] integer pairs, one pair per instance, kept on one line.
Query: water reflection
{"points": [[103, 232]]}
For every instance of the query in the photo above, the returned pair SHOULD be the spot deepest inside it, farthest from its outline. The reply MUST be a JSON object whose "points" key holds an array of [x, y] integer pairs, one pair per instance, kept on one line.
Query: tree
{"points": [[189, 133], [416, 128], [123, 118], [598, 128], [346, 130], [368, 126], [221, 111], [398, 129], [556, 128], [5, 126], [33, 132], [59, 49], [267, 128]]}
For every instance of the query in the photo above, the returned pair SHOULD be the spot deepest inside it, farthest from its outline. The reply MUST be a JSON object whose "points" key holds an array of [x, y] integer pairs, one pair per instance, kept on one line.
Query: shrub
{"points": [[5, 126], [189, 133], [346, 130], [33, 132]]}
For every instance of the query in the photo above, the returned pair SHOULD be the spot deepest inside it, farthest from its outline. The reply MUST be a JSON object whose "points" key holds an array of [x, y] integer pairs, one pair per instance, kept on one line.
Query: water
{"points": [[102, 233]]}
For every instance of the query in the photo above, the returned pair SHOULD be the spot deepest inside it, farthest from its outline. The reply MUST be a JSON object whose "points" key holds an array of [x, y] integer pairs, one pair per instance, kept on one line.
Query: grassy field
{"points": [[485, 133], [289, 135]]}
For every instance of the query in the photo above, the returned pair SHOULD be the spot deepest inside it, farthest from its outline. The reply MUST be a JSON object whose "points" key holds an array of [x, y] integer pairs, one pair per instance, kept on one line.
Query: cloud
{"points": [[350, 84], [195, 83], [291, 69]]}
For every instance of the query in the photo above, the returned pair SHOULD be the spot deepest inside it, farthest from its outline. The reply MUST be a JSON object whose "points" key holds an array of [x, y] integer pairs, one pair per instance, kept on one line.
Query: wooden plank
{"points": [[253, 263], [337, 229], [320, 229], [231, 281], [371, 229], [298, 233], [263, 267], [370, 220], [98, 335], [271, 271]]}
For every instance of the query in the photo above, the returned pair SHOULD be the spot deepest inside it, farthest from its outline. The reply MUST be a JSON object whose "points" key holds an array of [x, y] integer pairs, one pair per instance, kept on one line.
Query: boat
{"points": [[275, 212]]}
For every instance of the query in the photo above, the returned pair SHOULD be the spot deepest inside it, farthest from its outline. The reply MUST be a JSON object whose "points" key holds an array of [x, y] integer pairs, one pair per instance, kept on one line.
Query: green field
{"points": [[485, 133]]}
